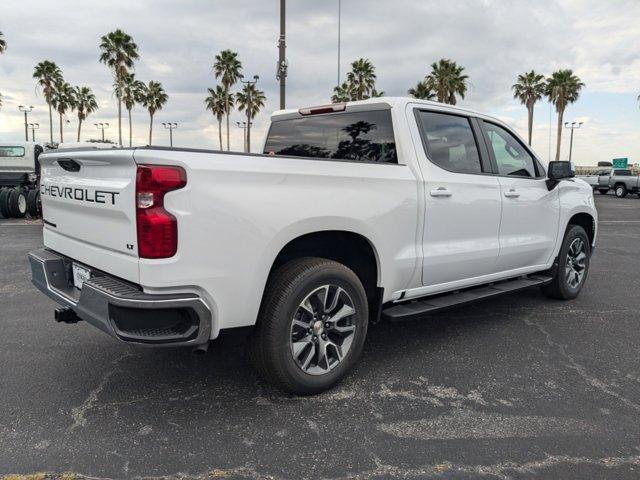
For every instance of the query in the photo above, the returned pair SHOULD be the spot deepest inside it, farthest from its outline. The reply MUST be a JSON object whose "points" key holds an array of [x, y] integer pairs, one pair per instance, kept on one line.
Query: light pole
{"points": [[102, 127], [34, 127], [339, 19], [244, 126], [171, 126], [249, 108], [26, 110], [572, 126], [281, 72]]}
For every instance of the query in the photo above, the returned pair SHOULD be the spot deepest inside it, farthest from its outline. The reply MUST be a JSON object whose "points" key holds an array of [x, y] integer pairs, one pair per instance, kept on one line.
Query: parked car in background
{"points": [[593, 178], [620, 180], [388, 207]]}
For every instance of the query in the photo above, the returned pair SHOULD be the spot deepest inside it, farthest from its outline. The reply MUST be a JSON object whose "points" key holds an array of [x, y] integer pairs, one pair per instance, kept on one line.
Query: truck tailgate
{"points": [[88, 203]]}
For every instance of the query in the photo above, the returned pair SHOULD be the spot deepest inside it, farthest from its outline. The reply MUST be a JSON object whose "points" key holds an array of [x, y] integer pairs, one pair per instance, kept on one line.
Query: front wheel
{"points": [[621, 191], [312, 325], [573, 265]]}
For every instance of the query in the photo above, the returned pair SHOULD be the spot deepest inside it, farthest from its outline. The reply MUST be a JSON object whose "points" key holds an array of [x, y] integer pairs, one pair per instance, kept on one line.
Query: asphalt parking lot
{"points": [[517, 387]]}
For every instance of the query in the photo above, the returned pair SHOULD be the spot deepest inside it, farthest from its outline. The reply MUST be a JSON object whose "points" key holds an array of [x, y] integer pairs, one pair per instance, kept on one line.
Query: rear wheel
{"points": [[603, 191], [33, 203], [4, 202], [17, 203], [312, 325], [621, 191], [573, 265]]}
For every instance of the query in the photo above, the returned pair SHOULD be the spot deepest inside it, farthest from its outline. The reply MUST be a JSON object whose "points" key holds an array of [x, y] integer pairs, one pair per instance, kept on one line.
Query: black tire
{"points": [[17, 203], [272, 347], [560, 288], [33, 203], [621, 191], [603, 191], [4, 202]]}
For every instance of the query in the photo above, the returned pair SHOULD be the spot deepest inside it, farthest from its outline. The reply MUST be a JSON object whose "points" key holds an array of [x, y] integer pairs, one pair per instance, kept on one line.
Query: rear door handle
{"points": [[511, 193], [440, 192]]}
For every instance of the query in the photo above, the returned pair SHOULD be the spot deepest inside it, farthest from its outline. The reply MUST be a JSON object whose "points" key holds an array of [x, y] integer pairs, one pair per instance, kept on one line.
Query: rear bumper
{"points": [[121, 309]]}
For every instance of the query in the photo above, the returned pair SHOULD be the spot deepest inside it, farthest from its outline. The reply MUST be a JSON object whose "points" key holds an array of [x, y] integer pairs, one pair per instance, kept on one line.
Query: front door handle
{"points": [[511, 193], [440, 192]]}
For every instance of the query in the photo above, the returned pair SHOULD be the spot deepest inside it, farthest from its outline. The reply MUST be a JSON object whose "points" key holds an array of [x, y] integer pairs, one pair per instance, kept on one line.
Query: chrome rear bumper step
{"points": [[423, 306]]}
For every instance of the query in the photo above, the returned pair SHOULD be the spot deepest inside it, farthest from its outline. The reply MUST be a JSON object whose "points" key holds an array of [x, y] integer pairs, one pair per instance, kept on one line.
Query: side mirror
{"points": [[559, 171]]}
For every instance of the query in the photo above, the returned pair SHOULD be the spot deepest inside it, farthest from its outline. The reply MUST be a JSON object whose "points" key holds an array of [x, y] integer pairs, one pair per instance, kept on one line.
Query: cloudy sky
{"points": [[494, 39]]}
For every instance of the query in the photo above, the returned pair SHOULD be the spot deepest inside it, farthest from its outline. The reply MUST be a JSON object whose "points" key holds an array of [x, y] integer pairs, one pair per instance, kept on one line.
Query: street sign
{"points": [[620, 162]]}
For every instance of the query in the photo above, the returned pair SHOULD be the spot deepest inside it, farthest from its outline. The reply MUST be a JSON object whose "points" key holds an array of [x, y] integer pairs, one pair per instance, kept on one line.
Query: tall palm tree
{"points": [[228, 68], [529, 88], [448, 81], [118, 51], [63, 100], [47, 74], [153, 99], [251, 100], [341, 93], [215, 102], [131, 93], [362, 78], [423, 91], [85, 104], [3, 43], [562, 88]]}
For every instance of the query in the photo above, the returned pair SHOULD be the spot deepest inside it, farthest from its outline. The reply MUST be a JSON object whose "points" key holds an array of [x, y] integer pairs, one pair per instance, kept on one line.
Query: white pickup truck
{"points": [[387, 208]]}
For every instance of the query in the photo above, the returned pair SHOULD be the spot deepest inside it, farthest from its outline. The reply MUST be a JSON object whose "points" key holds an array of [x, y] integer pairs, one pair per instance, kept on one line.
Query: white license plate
{"points": [[80, 274]]}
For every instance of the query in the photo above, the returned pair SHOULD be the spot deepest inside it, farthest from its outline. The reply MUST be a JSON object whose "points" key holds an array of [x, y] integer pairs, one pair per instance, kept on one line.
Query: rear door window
{"points": [[356, 136], [622, 173], [449, 141]]}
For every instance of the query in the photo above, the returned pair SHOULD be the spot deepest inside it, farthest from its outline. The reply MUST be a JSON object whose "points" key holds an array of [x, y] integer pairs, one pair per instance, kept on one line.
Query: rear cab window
{"points": [[6, 151], [356, 136]]}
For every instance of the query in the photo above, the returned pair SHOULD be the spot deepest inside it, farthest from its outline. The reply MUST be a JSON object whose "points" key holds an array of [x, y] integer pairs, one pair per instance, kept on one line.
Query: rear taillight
{"points": [[157, 228]]}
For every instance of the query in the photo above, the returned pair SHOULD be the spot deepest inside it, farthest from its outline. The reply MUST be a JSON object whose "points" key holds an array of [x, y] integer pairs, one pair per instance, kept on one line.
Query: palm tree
{"points": [[341, 93], [3, 43], [63, 100], [228, 68], [251, 100], [562, 88], [131, 94], [362, 78], [48, 74], [153, 99], [118, 51], [447, 79], [216, 103], [529, 88], [85, 104], [423, 91]]}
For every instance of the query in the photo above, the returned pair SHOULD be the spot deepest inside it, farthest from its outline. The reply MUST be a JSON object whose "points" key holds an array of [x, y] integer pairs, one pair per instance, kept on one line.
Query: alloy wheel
{"points": [[576, 262]]}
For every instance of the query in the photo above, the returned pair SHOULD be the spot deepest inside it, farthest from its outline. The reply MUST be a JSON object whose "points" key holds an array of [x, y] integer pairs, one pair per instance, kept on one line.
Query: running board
{"points": [[422, 306]]}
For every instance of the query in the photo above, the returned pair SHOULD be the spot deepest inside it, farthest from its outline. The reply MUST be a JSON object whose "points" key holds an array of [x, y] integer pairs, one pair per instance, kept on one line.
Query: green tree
{"points": [[215, 102], [251, 100], [3, 43], [228, 69], [153, 99], [562, 88], [118, 52], [63, 100], [423, 91], [529, 88], [131, 94], [447, 80], [85, 104], [47, 75], [362, 79], [341, 93]]}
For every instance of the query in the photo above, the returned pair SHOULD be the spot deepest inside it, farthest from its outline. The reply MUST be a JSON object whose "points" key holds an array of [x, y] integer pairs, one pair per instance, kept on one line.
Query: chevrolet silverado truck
{"points": [[620, 180], [388, 208]]}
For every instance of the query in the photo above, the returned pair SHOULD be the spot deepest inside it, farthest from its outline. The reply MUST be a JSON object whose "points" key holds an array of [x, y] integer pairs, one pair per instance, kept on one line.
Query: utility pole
{"points": [[102, 127], [34, 127], [282, 61], [171, 126], [249, 92], [26, 110], [572, 126]]}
